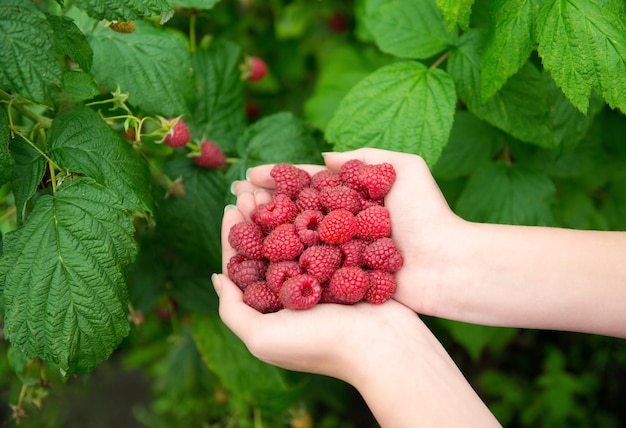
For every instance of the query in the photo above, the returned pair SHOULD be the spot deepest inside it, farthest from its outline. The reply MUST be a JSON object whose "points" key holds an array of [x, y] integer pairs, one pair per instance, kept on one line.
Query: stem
{"points": [[45, 156], [12, 100], [53, 177], [7, 215], [441, 59], [192, 32]]}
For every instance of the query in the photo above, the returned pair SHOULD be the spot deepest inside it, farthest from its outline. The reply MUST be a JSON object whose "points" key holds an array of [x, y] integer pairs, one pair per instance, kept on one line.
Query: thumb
{"points": [[368, 155]]}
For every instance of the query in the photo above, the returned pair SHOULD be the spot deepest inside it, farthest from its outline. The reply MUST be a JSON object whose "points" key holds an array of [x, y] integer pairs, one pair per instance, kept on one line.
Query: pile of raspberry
{"points": [[324, 238]]}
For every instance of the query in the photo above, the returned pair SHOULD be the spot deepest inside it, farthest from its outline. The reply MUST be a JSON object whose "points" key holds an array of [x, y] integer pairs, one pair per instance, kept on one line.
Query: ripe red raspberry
{"points": [[325, 178], [377, 179], [300, 292], [282, 243], [349, 172], [349, 284], [279, 211], [328, 296], [337, 227], [353, 252], [247, 239], [289, 179], [178, 134], [321, 261], [373, 223], [340, 197], [260, 297], [383, 254], [307, 225], [257, 69], [211, 155], [367, 202], [309, 199], [382, 287], [243, 271], [277, 273]]}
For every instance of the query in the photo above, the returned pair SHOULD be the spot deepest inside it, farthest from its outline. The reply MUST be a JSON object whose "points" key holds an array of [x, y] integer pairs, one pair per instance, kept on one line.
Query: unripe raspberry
{"points": [[123, 26]]}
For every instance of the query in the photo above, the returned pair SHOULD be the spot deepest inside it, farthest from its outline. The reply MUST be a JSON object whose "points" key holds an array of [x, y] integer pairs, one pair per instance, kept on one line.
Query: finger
{"points": [[368, 155], [233, 311], [231, 217], [260, 175]]}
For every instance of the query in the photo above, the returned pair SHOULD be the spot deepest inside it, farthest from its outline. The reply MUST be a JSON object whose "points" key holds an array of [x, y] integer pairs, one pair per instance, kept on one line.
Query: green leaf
{"points": [[143, 67], [250, 381], [339, 71], [77, 86], [408, 28], [123, 10], [472, 142], [219, 114], [576, 209], [80, 141], [520, 108], [583, 44], [456, 12], [510, 44], [501, 193], [281, 137], [28, 172], [69, 39], [63, 279], [194, 4], [191, 224], [403, 107], [477, 338], [28, 64], [6, 160]]}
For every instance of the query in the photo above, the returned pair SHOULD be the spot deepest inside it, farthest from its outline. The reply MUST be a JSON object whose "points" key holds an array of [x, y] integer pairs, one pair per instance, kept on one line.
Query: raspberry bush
{"points": [[110, 208]]}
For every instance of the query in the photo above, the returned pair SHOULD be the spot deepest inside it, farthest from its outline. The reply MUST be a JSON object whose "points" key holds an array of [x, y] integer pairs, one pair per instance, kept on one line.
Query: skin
{"points": [[516, 276]]}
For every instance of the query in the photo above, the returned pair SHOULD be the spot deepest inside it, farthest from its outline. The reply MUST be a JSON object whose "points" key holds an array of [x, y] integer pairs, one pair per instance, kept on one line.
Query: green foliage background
{"points": [[516, 105]]}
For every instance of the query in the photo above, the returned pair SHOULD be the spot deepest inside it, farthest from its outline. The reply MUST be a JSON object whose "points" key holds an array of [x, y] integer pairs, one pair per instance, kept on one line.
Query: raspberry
{"points": [[178, 134], [326, 178], [123, 26], [289, 179], [243, 271], [340, 197], [377, 179], [257, 69], [211, 155], [328, 296], [373, 223], [300, 292], [349, 284], [349, 172], [383, 254], [367, 202], [309, 199], [282, 243], [321, 261], [277, 273], [247, 239], [307, 225], [382, 287], [260, 297], [353, 252], [279, 211], [337, 227]]}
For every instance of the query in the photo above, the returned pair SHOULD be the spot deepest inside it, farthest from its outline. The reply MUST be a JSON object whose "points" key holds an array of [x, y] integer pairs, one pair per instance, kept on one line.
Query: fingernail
{"points": [[248, 173], [217, 285], [232, 187], [229, 207]]}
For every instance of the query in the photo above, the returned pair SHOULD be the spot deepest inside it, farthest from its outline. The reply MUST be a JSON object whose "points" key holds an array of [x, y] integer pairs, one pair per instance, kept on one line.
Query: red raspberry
{"points": [[300, 292], [211, 155], [349, 172], [178, 134], [289, 179], [243, 271], [309, 199], [247, 239], [329, 297], [307, 225], [383, 254], [373, 223], [282, 243], [258, 69], [343, 197], [277, 273], [377, 179], [326, 178], [338, 227], [367, 202], [349, 284], [321, 261], [382, 287], [353, 252], [260, 297], [280, 210]]}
